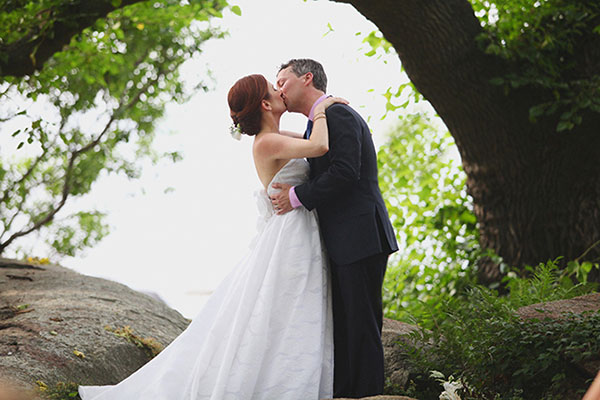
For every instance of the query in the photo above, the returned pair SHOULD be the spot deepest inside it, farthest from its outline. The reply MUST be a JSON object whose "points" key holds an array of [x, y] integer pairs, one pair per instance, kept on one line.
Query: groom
{"points": [[358, 235]]}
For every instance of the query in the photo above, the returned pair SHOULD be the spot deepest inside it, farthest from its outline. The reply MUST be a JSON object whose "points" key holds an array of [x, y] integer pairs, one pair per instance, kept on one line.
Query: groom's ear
{"points": [[308, 78]]}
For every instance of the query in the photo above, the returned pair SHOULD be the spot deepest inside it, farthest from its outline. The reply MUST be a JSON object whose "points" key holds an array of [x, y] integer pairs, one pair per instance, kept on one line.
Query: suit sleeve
{"points": [[344, 160]]}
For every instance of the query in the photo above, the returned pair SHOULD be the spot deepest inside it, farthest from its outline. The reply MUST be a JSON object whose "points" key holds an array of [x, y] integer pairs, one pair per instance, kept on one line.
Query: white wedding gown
{"points": [[266, 331]]}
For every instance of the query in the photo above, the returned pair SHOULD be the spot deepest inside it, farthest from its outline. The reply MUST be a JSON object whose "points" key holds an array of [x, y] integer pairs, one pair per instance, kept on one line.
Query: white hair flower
{"points": [[235, 131]]}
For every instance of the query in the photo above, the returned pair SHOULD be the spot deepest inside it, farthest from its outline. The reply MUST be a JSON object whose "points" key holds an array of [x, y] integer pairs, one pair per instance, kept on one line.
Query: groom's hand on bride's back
{"points": [[281, 200]]}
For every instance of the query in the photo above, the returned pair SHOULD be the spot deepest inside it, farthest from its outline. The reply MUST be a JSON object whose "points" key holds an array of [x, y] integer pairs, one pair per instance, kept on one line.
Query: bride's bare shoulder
{"points": [[266, 142], [267, 135]]}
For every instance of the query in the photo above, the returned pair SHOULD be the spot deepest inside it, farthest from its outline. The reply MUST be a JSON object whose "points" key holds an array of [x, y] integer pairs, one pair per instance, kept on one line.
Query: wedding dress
{"points": [[266, 331]]}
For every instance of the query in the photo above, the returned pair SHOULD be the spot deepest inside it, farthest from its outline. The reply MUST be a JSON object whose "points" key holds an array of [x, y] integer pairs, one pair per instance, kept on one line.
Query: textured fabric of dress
{"points": [[264, 333]]}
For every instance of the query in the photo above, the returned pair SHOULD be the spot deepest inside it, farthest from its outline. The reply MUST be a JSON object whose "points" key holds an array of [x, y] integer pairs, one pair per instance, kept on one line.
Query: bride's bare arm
{"points": [[277, 146], [296, 135]]}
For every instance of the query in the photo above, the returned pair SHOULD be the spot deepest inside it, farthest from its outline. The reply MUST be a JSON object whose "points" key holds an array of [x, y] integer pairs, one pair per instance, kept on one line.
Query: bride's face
{"points": [[276, 100]]}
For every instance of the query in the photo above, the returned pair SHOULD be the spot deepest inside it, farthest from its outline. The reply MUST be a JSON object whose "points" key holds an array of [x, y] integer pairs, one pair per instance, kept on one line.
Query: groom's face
{"points": [[291, 88]]}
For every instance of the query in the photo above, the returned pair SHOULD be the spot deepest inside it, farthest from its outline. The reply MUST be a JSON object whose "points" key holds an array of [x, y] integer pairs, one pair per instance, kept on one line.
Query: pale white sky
{"points": [[181, 244]]}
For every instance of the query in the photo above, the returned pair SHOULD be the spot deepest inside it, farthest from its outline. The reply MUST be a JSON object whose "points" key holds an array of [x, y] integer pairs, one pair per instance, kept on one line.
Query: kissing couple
{"points": [[300, 316]]}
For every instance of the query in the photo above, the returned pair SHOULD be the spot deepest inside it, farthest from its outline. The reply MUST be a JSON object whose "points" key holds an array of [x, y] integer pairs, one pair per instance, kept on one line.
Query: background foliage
{"points": [[431, 212], [547, 46]]}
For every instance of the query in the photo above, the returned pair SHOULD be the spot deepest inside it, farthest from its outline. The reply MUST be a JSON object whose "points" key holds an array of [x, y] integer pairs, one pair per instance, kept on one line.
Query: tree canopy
{"points": [[32, 31], [100, 98]]}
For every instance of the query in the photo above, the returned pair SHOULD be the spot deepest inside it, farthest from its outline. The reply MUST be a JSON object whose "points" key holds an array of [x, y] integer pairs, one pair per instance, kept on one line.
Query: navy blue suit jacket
{"points": [[344, 189]]}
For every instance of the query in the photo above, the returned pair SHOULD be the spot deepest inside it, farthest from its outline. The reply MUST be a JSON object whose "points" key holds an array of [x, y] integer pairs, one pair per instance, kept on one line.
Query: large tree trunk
{"points": [[536, 192]]}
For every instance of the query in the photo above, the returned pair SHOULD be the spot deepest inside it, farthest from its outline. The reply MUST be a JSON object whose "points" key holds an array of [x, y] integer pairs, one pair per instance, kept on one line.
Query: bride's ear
{"points": [[265, 105]]}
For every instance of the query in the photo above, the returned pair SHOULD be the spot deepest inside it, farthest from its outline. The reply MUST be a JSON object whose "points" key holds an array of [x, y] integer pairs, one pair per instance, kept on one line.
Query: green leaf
{"points": [[586, 266], [236, 10], [116, 3], [564, 126], [536, 111], [214, 12]]}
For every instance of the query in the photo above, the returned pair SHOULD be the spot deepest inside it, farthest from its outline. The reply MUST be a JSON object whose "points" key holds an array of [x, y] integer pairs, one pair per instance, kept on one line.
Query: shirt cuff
{"points": [[294, 201]]}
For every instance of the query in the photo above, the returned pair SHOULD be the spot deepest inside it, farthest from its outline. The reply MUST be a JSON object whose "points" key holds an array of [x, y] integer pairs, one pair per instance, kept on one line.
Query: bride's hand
{"points": [[322, 106]]}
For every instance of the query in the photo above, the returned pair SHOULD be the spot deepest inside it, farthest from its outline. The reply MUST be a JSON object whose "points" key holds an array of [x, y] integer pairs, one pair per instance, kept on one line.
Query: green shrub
{"points": [[547, 282], [497, 355]]}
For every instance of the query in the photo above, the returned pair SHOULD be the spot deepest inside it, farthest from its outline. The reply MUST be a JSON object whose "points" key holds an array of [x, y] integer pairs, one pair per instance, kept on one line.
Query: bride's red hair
{"points": [[244, 99]]}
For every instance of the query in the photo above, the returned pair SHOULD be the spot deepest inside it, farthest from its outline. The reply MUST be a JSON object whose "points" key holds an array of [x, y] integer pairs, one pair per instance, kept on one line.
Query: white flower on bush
{"points": [[450, 386], [449, 392]]}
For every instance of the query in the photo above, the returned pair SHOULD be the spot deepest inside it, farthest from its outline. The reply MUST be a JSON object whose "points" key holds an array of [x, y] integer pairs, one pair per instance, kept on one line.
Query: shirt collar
{"points": [[311, 114]]}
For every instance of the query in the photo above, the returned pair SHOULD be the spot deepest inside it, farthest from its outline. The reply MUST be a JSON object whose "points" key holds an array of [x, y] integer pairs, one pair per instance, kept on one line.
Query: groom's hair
{"points": [[301, 66]]}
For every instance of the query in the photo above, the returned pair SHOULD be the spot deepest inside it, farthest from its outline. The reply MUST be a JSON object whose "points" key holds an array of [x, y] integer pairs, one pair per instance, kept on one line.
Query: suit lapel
{"points": [[308, 131]]}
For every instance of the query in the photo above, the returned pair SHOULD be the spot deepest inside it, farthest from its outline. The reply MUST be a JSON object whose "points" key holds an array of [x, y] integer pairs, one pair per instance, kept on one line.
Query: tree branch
{"points": [[437, 43], [8, 225], [433, 38], [51, 213], [65, 191], [69, 170], [28, 54], [31, 168]]}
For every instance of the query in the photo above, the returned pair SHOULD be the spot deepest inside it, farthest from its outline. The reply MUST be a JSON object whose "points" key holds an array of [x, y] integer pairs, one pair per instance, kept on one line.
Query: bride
{"points": [[266, 331]]}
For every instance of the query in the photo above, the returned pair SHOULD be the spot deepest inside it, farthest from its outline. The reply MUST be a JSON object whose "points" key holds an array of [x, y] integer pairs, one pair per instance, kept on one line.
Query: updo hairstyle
{"points": [[245, 98]]}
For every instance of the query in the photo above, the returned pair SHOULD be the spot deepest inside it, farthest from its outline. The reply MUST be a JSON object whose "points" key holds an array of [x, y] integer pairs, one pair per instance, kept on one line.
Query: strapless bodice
{"points": [[295, 172]]}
